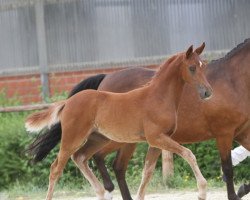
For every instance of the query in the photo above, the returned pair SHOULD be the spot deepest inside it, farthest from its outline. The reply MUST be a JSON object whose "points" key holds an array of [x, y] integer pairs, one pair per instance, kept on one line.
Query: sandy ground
{"points": [[174, 195], [171, 195]]}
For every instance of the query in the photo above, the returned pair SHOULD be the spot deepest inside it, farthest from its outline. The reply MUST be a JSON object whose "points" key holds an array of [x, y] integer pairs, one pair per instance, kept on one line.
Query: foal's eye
{"points": [[192, 69]]}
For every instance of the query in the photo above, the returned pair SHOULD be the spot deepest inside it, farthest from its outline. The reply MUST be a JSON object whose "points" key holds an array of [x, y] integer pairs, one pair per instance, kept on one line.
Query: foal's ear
{"points": [[189, 52], [200, 49]]}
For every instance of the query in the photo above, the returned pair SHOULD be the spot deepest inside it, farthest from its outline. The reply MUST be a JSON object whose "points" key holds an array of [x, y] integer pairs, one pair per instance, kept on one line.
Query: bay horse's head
{"points": [[193, 71]]}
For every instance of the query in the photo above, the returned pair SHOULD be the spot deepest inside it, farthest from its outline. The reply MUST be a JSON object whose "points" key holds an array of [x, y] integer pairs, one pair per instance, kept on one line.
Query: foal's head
{"points": [[193, 71]]}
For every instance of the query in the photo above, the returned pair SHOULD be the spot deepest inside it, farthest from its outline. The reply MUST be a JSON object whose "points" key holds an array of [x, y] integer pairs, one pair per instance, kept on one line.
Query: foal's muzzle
{"points": [[205, 92]]}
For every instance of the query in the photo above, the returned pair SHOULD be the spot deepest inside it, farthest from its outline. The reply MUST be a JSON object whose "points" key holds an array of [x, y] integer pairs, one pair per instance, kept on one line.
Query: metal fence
{"points": [[52, 35]]}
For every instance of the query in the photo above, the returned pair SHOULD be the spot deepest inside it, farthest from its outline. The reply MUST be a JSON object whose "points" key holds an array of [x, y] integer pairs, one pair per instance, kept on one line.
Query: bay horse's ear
{"points": [[200, 49], [189, 52]]}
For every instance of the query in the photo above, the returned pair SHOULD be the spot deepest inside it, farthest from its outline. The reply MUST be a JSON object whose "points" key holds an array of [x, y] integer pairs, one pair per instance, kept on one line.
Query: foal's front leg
{"points": [[163, 141], [149, 167]]}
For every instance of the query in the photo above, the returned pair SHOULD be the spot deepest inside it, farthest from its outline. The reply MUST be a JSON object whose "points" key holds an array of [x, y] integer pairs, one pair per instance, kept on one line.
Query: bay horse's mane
{"points": [[234, 51]]}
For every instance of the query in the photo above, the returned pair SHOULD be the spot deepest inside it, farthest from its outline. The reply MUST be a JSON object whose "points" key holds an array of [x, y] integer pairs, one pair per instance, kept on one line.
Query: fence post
{"points": [[42, 48], [167, 164]]}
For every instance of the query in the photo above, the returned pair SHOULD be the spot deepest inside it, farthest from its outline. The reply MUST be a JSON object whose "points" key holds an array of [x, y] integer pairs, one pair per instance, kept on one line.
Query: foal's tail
{"points": [[48, 138], [40, 120]]}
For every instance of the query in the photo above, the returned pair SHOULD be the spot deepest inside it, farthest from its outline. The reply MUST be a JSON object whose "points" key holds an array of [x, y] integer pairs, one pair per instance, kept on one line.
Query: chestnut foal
{"points": [[145, 114]]}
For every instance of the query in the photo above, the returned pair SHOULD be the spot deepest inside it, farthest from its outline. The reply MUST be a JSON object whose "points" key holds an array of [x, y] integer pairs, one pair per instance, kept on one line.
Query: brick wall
{"points": [[65, 81], [27, 87]]}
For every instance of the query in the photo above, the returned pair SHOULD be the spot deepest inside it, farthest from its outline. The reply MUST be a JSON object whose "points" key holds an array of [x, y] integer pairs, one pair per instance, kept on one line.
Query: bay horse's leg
{"points": [[244, 140], [100, 163], [81, 157], [162, 141], [120, 166], [149, 167], [224, 145], [244, 189]]}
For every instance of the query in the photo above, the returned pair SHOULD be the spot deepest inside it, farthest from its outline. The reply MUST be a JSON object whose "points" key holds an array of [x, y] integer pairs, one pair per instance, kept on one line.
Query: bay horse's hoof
{"points": [[201, 198], [234, 198], [109, 187], [243, 190]]}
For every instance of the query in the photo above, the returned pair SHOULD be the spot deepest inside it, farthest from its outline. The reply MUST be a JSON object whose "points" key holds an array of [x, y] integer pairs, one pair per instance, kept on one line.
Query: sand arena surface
{"points": [[171, 195], [185, 194]]}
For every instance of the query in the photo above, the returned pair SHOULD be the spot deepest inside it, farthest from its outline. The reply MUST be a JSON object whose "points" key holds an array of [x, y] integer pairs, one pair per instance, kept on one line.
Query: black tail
{"points": [[48, 139]]}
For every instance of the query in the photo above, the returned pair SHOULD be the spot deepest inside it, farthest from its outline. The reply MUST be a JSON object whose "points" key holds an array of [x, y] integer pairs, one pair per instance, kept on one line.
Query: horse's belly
{"points": [[122, 136]]}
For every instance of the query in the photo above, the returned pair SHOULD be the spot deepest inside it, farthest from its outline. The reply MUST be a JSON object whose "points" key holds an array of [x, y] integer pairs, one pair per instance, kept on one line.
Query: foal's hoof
{"points": [[108, 195], [202, 197], [243, 190]]}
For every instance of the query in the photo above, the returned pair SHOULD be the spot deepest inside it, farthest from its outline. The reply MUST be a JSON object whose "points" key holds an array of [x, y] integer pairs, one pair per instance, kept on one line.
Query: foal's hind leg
{"points": [[81, 158], [163, 141], [56, 170], [73, 137], [58, 165]]}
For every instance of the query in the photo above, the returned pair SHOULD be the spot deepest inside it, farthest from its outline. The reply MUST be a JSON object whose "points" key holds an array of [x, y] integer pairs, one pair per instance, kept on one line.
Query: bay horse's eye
{"points": [[192, 69]]}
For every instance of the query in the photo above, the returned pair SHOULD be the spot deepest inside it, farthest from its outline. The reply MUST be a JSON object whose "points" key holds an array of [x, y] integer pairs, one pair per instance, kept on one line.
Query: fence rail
{"points": [[23, 108]]}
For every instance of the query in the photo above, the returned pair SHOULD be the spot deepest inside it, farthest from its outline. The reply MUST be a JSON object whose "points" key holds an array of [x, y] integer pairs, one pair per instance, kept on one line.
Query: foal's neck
{"points": [[168, 83]]}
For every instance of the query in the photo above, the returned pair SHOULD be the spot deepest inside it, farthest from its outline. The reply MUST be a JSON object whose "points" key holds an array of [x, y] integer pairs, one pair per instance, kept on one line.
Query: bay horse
{"points": [[145, 114]]}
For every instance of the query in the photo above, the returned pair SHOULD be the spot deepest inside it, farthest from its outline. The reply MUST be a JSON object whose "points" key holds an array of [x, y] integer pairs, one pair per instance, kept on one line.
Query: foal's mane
{"points": [[234, 51], [165, 65]]}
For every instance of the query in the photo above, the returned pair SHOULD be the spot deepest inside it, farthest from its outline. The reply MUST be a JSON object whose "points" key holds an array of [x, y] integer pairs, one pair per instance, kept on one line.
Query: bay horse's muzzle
{"points": [[205, 92]]}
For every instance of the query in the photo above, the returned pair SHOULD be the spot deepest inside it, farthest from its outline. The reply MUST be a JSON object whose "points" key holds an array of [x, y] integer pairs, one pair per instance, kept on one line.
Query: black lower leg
{"points": [[108, 184], [243, 190], [228, 172], [120, 171]]}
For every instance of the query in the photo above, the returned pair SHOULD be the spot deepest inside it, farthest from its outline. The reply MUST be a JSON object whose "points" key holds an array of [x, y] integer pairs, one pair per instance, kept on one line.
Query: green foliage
{"points": [[4, 101], [57, 97]]}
